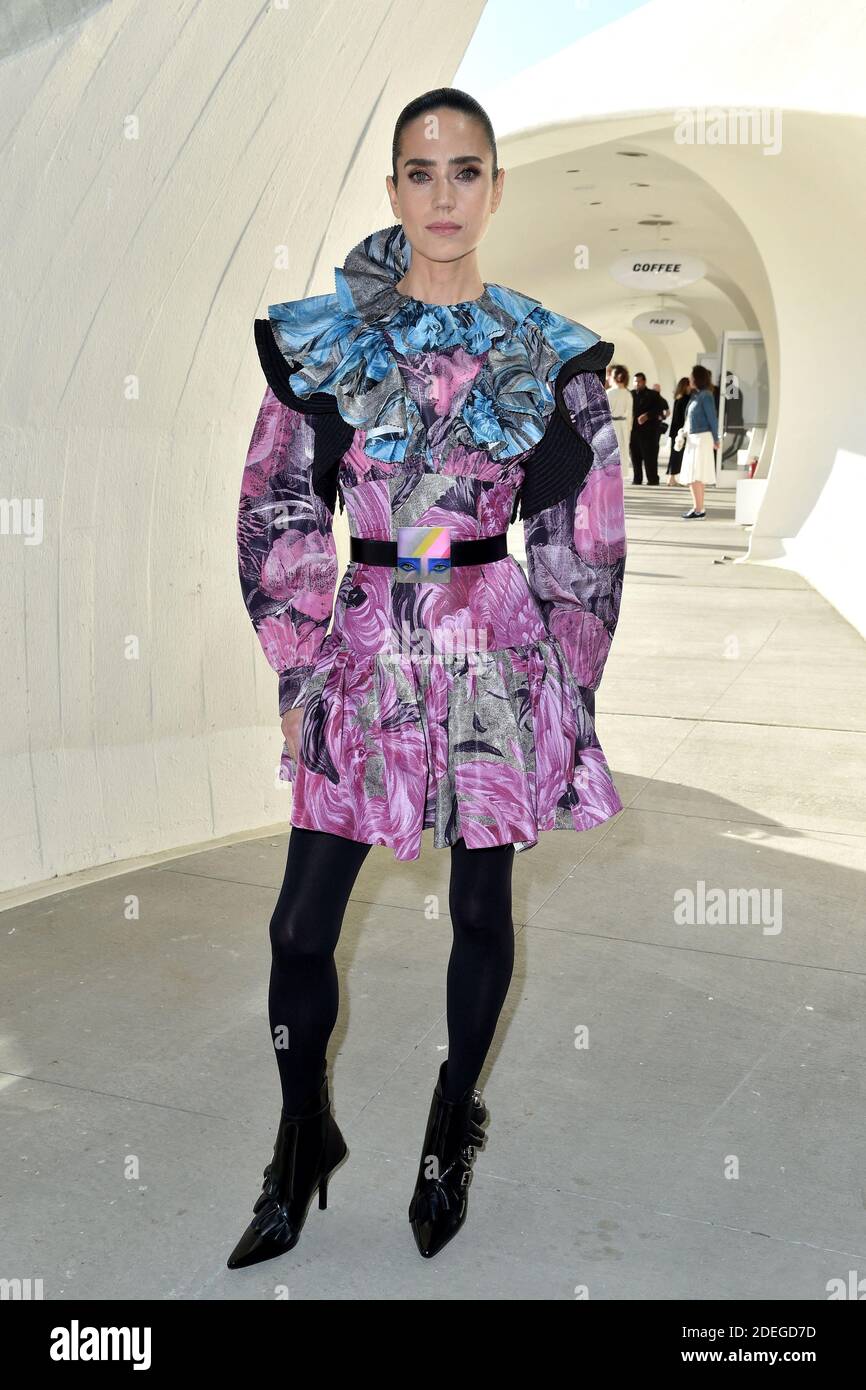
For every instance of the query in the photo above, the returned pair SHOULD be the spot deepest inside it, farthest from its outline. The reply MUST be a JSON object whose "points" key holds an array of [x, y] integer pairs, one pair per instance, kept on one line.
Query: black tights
{"points": [[303, 997]]}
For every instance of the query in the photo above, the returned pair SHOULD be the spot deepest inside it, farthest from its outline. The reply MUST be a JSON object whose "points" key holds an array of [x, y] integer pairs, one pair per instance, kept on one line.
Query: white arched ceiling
{"points": [[597, 194], [591, 195], [785, 242]]}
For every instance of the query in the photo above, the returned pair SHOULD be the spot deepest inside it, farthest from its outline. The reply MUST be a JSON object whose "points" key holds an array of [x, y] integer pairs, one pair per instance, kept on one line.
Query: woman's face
{"points": [[459, 196]]}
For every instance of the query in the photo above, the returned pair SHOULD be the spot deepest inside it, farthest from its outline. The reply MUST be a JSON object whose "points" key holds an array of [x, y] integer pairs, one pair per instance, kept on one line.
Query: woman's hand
{"points": [[291, 726]]}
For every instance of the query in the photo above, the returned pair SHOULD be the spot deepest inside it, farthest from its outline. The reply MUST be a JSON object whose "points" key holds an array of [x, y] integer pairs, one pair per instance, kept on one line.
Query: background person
{"points": [[621, 409], [701, 439], [678, 420], [648, 407]]}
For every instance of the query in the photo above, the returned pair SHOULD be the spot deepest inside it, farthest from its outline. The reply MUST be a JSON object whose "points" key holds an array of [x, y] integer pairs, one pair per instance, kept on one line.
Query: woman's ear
{"points": [[497, 190], [391, 190]]}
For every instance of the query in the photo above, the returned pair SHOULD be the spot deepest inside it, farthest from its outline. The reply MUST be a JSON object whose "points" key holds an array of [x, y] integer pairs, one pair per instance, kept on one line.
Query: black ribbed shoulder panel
{"points": [[562, 457], [333, 434]]}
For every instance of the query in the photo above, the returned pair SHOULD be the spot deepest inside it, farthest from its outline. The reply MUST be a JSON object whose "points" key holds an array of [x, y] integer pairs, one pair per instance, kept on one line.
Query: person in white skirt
{"points": [[699, 439], [621, 408]]}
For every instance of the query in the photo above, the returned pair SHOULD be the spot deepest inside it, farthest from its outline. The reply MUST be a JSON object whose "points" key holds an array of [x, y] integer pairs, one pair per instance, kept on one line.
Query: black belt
{"points": [[482, 551]]}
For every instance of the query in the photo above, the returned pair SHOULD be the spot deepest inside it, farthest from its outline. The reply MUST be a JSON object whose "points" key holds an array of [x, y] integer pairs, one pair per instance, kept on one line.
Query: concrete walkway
{"points": [[706, 1142]]}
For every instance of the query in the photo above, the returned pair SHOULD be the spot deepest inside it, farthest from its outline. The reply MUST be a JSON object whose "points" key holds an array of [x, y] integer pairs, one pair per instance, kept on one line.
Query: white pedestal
{"points": [[749, 496]]}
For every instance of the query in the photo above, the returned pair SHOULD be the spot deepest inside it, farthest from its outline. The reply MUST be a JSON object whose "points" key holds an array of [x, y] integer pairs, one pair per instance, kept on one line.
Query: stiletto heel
{"points": [[323, 1194]]}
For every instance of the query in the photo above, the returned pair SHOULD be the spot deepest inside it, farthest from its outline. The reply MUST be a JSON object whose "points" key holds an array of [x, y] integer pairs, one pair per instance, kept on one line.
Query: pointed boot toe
{"points": [[308, 1148], [255, 1246], [440, 1201]]}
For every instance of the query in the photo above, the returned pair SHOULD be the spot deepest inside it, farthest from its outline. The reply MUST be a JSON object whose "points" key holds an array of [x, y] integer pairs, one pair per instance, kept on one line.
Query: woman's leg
{"points": [[482, 958], [303, 997], [698, 495]]}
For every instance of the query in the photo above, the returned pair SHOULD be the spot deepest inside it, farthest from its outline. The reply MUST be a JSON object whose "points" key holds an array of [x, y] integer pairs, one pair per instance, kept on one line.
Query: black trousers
{"points": [[644, 451]]}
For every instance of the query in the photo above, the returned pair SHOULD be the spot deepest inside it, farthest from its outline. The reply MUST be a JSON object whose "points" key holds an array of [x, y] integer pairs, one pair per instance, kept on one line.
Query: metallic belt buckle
{"points": [[424, 554]]}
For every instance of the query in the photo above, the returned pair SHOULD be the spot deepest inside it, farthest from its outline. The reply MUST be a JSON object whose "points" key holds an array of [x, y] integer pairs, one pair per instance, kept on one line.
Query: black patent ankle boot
{"points": [[441, 1197], [308, 1147]]}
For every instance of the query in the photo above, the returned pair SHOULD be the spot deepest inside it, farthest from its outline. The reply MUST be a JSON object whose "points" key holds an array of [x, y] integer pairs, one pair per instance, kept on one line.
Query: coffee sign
{"points": [[654, 270]]}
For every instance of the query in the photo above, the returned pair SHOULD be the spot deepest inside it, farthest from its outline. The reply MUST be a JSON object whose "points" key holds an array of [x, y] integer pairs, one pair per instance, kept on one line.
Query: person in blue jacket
{"points": [[700, 440]]}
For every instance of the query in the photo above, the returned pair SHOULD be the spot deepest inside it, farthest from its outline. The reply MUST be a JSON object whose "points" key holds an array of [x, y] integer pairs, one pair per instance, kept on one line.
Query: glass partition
{"points": [[743, 401]]}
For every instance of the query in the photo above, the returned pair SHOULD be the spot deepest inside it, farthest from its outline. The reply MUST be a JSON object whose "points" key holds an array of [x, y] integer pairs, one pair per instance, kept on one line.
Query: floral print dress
{"points": [[464, 706]]}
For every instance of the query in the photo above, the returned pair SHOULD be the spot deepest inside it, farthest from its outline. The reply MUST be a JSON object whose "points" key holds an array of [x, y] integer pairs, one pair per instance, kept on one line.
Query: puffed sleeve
{"points": [[576, 548], [287, 557]]}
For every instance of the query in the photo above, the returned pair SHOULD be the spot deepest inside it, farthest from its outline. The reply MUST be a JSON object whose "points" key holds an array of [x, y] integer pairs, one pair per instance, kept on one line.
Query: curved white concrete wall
{"points": [[156, 158]]}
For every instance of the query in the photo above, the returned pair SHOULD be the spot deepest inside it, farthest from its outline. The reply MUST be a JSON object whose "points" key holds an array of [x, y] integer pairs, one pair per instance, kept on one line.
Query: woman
{"points": [[452, 693], [700, 437], [678, 420], [619, 399]]}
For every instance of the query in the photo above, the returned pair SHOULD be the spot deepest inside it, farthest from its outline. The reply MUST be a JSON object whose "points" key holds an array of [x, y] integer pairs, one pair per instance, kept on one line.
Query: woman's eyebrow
{"points": [[454, 159]]}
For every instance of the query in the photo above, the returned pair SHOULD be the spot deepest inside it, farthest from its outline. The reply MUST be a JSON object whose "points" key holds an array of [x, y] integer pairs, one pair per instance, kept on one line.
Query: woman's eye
{"points": [[418, 174]]}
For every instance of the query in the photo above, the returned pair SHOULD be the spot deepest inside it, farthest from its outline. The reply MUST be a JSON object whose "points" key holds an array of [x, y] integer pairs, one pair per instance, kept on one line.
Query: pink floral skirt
{"points": [[493, 746]]}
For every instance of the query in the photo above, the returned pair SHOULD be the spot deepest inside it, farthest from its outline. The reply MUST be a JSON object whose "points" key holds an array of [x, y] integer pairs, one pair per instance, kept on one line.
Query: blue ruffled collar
{"points": [[348, 342]]}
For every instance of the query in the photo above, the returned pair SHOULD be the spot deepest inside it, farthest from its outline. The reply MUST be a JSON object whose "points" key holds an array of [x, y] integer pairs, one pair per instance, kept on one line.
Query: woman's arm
{"points": [[576, 549], [710, 414], [287, 559]]}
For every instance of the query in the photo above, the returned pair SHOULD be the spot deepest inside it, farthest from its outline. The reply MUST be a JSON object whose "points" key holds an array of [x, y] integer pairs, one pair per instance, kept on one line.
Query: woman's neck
{"points": [[442, 282]]}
